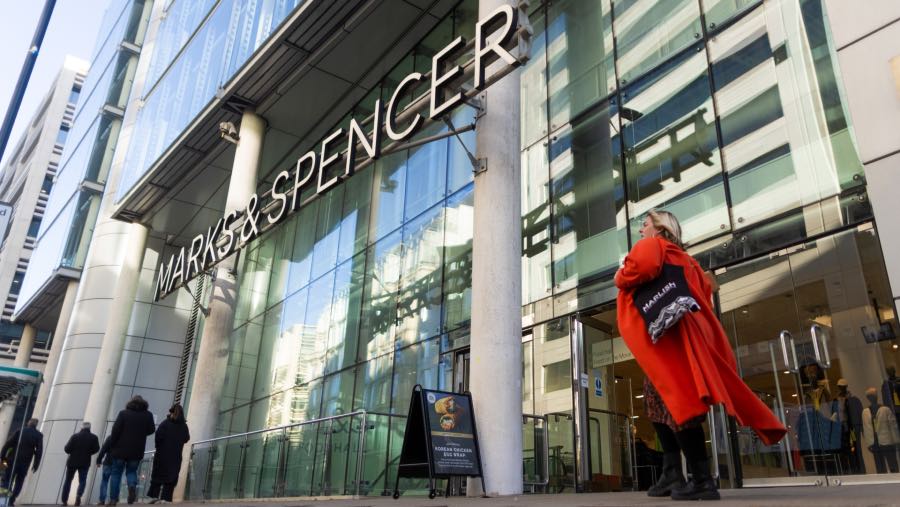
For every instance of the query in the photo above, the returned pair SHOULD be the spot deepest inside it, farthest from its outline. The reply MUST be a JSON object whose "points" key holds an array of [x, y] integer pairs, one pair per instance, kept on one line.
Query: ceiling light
{"points": [[639, 396]]}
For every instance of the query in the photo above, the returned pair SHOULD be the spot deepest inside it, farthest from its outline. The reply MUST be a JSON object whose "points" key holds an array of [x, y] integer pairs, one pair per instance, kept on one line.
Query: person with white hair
{"points": [[80, 447]]}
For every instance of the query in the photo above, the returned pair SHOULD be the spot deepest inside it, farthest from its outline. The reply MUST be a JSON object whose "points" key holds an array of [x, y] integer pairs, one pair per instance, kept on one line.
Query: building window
{"points": [[62, 135], [34, 227], [74, 94], [16, 285], [47, 185]]}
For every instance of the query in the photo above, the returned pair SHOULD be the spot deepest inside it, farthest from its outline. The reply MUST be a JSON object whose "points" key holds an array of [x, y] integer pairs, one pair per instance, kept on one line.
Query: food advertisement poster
{"points": [[452, 433]]}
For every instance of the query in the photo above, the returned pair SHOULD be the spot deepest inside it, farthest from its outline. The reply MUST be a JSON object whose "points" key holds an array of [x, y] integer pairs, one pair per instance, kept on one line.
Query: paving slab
{"points": [[840, 496]]}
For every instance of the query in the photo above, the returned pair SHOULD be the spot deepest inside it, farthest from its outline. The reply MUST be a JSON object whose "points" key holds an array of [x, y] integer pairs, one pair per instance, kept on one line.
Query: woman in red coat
{"points": [[691, 366]]}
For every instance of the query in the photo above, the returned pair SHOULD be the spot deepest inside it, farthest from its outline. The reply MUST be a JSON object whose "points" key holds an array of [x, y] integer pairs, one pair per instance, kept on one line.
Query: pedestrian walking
{"points": [[128, 439], [104, 460], [666, 318], [18, 452], [80, 447], [171, 435]]}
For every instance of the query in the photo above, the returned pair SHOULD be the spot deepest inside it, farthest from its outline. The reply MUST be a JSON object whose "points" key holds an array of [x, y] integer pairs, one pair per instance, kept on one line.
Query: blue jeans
{"points": [[118, 466], [104, 482]]}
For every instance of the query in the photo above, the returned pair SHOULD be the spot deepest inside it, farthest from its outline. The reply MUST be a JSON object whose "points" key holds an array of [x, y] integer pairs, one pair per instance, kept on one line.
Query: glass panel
{"points": [[533, 85], [720, 11], [375, 457], [387, 197], [459, 168], [327, 231], [355, 217], [300, 460], [317, 323], [283, 237], [589, 235], [374, 381], [379, 312], [537, 279], [457, 288], [304, 241], [419, 304], [414, 365], [650, 31], [580, 49], [343, 333], [671, 151], [426, 173], [781, 150]]}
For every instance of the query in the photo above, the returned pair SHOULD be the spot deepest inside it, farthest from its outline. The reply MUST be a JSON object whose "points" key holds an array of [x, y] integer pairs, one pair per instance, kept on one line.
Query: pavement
{"points": [[839, 496]]}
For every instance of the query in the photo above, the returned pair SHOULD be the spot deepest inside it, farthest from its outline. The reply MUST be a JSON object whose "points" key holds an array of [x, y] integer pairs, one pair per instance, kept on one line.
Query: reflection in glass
{"points": [[419, 302], [589, 234], [650, 31], [580, 52], [671, 150], [457, 287]]}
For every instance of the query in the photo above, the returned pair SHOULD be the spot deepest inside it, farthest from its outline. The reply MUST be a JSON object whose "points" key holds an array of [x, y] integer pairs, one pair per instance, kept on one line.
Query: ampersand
{"points": [[249, 229]]}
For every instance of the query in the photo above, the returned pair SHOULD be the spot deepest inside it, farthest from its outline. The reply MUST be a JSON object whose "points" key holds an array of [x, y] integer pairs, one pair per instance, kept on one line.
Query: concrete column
{"points": [[23, 356], [59, 335], [212, 356], [107, 368], [496, 342]]}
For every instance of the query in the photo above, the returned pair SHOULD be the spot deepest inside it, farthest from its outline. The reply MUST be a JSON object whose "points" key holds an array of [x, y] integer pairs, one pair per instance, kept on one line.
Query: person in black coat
{"points": [[126, 446], [17, 453], [171, 435], [80, 447]]}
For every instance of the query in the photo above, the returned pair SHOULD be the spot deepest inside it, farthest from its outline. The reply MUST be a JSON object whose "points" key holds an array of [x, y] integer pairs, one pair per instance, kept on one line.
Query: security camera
{"points": [[229, 132]]}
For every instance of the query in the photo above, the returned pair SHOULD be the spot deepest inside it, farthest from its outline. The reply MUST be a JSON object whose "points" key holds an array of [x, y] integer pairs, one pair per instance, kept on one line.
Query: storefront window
{"points": [[457, 284]]}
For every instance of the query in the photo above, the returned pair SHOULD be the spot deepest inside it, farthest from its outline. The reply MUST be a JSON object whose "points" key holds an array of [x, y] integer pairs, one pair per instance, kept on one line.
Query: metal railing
{"points": [[318, 457], [259, 463]]}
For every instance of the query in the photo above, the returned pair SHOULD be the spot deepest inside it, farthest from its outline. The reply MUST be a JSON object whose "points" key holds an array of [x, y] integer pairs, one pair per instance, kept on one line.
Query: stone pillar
{"points": [[59, 335], [496, 340], [23, 356], [113, 343], [212, 357]]}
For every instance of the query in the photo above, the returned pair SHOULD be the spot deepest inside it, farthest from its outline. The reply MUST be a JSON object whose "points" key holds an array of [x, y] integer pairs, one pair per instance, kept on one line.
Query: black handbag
{"points": [[662, 302]]}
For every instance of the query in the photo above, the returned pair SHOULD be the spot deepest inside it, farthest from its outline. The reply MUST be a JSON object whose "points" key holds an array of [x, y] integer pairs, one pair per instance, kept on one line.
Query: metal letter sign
{"points": [[504, 36]]}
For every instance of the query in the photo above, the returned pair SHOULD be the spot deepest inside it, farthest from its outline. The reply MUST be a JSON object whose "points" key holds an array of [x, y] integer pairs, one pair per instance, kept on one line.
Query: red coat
{"points": [[692, 365]]}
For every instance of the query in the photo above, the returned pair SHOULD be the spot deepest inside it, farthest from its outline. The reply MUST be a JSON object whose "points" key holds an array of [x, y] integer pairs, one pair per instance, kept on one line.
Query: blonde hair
{"points": [[668, 226]]}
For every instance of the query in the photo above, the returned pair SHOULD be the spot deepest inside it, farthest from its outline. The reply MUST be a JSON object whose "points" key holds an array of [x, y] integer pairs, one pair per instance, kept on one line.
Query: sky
{"points": [[73, 30]]}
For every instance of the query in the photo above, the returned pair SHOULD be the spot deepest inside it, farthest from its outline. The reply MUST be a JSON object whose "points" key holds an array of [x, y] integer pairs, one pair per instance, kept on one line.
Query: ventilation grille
{"points": [[188, 350]]}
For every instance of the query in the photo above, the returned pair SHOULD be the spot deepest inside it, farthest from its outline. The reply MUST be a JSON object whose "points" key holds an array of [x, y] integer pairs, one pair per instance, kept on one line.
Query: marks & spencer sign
{"points": [[503, 37]]}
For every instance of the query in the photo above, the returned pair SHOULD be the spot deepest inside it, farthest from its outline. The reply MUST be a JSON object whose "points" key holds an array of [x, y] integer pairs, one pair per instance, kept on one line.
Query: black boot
{"points": [[702, 486], [132, 494], [671, 477]]}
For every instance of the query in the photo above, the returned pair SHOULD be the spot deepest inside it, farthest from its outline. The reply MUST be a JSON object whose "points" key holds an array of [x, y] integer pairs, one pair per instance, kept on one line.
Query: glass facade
{"points": [[727, 113], [201, 45]]}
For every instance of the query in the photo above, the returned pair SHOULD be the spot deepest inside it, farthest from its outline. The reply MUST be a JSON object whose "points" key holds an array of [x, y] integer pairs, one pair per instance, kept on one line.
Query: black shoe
{"points": [[671, 477], [132, 494], [77, 501], [702, 486]]}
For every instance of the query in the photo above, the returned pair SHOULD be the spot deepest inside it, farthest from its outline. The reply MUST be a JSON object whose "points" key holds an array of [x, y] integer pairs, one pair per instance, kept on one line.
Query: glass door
{"points": [[813, 329]]}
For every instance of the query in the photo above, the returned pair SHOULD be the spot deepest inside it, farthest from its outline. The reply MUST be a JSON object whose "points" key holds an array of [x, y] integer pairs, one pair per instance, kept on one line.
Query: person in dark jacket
{"points": [[18, 453], [104, 460], [171, 435], [126, 446], [80, 447]]}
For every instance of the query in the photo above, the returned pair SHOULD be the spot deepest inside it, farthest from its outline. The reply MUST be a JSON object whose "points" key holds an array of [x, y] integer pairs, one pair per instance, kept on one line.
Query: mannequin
{"points": [[890, 391], [880, 433], [849, 410]]}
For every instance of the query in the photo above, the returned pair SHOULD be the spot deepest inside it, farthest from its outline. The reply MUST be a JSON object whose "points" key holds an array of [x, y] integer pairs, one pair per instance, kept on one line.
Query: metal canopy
{"points": [[325, 58], [14, 380]]}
